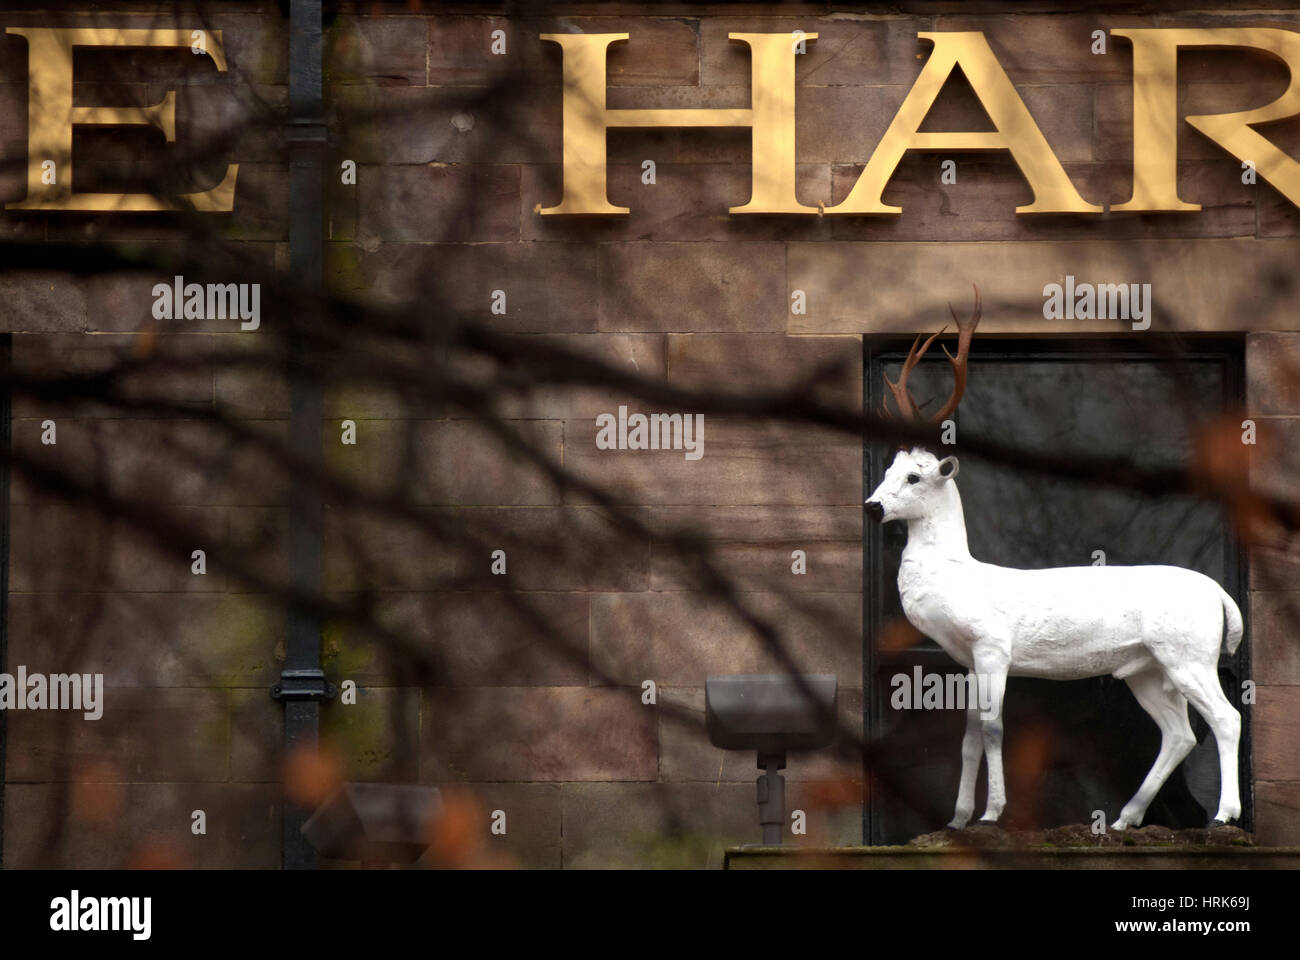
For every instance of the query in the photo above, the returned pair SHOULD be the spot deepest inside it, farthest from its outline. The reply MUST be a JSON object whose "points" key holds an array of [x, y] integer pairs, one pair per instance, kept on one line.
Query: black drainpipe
{"points": [[302, 685]]}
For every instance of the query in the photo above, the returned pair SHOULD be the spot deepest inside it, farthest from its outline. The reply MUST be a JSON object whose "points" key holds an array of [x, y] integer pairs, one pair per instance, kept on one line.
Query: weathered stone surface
{"points": [[715, 287], [150, 639], [446, 461], [379, 50], [469, 639], [43, 301], [1277, 751], [679, 638], [261, 211], [547, 548], [57, 548], [96, 826], [659, 51], [13, 127], [257, 545], [537, 733], [890, 287], [549, 287], [1277, 813], [532, 824], [440, 202], [1275, 656], [844, 124], [460, 50], [981, 205], [1273, 374], [257, 46], [154, 391], [1206, 65], [1275, 568], [1277, 215], [159, 461], [551, 393], [257, 736], [412, 125], [377, 737], [829, 567], [829, 369], [123, 301], [358, 553], [775, 523], [1275, 456], [1115, 113], [848, 50], [744, 462], [176, 734], [256, 388], [687, 201], [1054, 49], [226, 123]]}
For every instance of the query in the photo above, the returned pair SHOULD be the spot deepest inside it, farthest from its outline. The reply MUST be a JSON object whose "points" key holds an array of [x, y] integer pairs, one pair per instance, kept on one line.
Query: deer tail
{"points": [[1232, 624]]}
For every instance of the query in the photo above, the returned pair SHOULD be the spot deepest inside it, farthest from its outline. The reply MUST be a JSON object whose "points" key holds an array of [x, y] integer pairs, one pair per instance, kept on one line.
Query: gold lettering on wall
{"points": [[1155, 113], [51, 118], [1015, 131], [770, 118]]}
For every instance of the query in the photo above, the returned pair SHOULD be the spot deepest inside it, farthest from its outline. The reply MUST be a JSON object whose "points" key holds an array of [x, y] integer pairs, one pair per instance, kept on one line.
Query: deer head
{"points": [[914, 482]]}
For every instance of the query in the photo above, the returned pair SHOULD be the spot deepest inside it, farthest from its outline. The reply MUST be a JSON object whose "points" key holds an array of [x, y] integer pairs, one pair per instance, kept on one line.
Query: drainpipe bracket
{"points": [[306, 130], [309, 685]]}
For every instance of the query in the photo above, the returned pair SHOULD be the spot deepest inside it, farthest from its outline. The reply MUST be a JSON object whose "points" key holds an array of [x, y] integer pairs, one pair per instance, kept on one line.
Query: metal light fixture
{"points": [[772, 714]]}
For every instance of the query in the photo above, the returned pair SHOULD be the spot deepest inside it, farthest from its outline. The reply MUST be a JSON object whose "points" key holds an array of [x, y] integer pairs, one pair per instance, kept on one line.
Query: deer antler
{"points": [[965, 330], [907, 407]]}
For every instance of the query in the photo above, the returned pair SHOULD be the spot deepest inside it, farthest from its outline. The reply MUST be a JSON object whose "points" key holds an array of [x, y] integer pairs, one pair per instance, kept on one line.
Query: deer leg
{"points": [[1168, 708], [1199, 683], [991, 676], [972, 749]]}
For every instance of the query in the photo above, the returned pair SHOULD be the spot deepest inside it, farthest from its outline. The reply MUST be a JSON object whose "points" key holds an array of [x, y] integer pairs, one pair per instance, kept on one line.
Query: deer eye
{"points": [[913, 478]]}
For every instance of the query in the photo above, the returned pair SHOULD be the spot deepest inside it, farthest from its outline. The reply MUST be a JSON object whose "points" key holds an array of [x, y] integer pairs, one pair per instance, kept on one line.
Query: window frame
{"points": [[881, 349]]}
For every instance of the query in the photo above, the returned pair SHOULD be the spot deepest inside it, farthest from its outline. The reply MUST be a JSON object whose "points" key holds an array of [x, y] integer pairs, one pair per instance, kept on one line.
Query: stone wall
{"points": [[678, 290]]}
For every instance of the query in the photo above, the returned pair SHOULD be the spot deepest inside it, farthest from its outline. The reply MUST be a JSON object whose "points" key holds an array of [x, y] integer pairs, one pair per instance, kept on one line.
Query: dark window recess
{"points": [[1070, 747]]}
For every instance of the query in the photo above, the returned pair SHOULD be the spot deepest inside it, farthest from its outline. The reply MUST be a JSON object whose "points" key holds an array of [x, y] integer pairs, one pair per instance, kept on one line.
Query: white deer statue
{"points": [[1158, 628]]}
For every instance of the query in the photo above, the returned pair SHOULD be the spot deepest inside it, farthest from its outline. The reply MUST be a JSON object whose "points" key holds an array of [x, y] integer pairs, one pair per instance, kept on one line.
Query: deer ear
{"points": [[948, 467]]}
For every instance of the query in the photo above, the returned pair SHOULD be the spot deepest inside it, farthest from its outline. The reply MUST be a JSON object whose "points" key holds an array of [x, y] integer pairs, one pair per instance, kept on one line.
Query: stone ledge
{"points": [[1056, 858]]}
